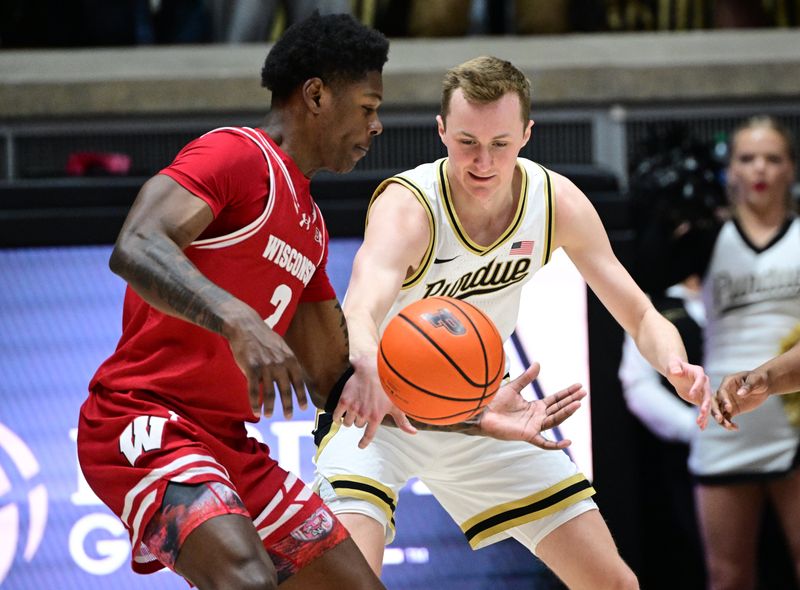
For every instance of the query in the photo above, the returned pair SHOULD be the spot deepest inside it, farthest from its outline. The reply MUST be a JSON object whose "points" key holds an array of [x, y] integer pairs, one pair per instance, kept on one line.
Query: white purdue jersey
{"points": [[489, 277], [752, 299], [505, 488]]}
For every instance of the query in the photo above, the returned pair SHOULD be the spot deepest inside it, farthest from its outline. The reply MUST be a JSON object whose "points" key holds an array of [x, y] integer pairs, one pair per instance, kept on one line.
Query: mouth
{"points": [[480, 178], [362, 148], [760, 186]]}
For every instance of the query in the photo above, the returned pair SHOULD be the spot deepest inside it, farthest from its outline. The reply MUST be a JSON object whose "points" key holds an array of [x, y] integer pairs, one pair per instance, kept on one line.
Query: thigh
{"points": [[343, 566], [785, 496], [185, 508], [582, 553], [364, 481], [130, 453], [203, 533], [491, 487], [729, 518]]}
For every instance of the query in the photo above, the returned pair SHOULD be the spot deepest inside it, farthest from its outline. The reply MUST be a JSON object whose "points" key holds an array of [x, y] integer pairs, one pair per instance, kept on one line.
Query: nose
{"points": [[483, 158], [375, 127]]}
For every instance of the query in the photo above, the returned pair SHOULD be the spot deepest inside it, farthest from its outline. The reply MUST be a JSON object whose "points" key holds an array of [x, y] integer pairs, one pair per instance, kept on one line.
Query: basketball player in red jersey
{"points": [[224, 252]]}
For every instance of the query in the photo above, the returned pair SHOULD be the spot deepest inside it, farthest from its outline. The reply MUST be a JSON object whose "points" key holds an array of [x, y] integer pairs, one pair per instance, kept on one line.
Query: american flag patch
{"points": [[523, 248]]}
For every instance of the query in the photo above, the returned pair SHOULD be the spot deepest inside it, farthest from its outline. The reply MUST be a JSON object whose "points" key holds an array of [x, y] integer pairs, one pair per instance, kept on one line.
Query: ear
{"points": [[312, 93], [526, 136], [440, 126]]}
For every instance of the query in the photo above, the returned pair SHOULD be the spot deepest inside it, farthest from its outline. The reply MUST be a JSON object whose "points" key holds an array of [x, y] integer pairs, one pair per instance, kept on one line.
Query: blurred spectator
{"points": [[681, 15], [102, 23], [750, 269], [244, 21], [452, 18]]}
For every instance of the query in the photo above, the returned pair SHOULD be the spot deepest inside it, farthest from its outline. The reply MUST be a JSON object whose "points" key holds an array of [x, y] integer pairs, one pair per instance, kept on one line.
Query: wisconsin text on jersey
{"points": [[289, 259], [487, 279]]}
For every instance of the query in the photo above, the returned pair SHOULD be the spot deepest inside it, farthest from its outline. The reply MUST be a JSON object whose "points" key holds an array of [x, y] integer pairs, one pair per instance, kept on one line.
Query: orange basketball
{"points": [[441, 360]]}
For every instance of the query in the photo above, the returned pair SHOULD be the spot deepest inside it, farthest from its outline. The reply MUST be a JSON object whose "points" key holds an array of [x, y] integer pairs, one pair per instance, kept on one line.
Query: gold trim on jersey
{"points": [[550, 215], [506, 516], [367, 489], [455, 223], [427, 259]]}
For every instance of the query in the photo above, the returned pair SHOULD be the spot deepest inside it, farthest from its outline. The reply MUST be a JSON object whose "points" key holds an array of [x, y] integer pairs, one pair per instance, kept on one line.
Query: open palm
{"points": [[510, 416]]}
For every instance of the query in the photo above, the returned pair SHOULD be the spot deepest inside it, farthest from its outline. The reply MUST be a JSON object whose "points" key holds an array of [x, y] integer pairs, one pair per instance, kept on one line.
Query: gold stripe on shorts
{"points": [[364, 488], [506, 516]]}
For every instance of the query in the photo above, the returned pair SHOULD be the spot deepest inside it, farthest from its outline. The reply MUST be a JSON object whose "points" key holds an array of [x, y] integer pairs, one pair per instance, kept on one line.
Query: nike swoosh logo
{"points": [[443, 260]]}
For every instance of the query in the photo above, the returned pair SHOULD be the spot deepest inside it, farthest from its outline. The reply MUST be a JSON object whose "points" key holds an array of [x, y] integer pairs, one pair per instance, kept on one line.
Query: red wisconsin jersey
{"points": [[271, 263]]}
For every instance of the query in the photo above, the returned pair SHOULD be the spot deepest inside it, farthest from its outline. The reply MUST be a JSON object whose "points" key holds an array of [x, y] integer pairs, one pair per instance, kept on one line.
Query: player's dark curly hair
{"points": [[333, 47]]}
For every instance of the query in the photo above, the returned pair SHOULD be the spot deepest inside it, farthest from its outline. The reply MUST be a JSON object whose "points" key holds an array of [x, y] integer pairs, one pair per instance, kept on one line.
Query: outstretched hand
{"points": [[509, 416], [364, 403], [691, 383], [739, 393]]}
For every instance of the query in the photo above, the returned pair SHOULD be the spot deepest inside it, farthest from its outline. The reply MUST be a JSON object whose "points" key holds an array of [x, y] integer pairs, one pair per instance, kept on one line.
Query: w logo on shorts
{"points": [[316, 526]]}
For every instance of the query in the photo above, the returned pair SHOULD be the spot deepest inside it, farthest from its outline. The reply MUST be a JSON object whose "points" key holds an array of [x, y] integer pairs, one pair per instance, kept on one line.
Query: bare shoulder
{"points": [[573, 211], [398, 210]]}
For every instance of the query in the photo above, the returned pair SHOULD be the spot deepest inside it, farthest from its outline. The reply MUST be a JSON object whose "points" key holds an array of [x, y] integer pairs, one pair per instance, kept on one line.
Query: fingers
{"points": [[560, 415], [402, 422], [702, 415], [254, 394], [549, 445], [284, 390], [299, 386], [285, 379], [574, 391], [723, 416], [700, 389], [369, 434], [526, 378]]}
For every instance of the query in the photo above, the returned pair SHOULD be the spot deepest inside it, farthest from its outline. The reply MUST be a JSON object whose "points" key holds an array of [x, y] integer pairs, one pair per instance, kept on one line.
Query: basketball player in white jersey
{"points": [[477, 225]]}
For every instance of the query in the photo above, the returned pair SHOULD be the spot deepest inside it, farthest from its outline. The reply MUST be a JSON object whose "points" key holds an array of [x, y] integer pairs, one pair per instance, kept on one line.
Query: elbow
{"points": [[128, 249], [118, 261]]}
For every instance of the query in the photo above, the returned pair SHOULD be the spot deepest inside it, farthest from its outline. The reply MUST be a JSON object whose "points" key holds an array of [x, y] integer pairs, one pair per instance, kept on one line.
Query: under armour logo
{"points": [[305, 221]]}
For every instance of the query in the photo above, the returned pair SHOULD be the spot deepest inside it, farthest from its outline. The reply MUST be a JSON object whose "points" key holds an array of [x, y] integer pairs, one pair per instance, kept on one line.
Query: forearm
{"points": [[470, 427], [163, 276], [364, 336], [658, 340], [318, 336], [783, 372]]}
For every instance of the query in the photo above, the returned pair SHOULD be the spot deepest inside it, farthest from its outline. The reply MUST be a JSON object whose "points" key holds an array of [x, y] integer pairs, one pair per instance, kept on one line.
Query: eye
{"points": [[466, 142], [501, 144]]}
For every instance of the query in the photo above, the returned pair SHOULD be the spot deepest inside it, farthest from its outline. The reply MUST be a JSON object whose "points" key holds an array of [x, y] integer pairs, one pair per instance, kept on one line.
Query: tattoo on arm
{"points": [[471, 427], [166, 275], [345, 333]]}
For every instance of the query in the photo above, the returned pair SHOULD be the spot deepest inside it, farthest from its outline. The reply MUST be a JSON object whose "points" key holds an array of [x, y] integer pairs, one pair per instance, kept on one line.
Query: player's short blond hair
{"points": [[486, 79]]}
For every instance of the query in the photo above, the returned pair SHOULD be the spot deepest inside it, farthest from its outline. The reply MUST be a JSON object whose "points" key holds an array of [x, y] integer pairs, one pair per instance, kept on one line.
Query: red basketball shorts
{"points": [[130, 448]]}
